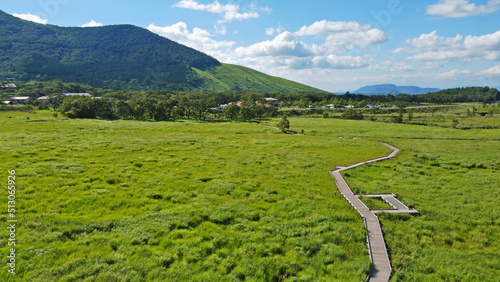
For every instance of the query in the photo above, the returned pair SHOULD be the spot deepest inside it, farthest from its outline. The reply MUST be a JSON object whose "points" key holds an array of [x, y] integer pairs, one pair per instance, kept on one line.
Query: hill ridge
{"points": [[393, 89]]}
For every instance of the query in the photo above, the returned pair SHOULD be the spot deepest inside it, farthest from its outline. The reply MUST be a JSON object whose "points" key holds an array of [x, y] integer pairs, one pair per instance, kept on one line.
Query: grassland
{"points": [[451, 176], [227, 77], [127, 200]]}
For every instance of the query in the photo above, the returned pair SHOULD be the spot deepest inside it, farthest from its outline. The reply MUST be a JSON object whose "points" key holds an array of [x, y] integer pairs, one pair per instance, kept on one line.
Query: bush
{"points": [[284, 123], [352, 114]]}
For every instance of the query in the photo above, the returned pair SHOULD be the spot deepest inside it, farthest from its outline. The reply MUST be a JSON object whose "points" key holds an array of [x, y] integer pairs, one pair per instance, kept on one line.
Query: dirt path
{"points": [[381, 270]]}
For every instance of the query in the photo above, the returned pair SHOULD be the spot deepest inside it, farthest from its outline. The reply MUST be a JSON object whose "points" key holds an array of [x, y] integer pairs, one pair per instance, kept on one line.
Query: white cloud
{"points": [[229, 12], [432, 65], [274, 30], [442, 55], [198, 39], [31, 18], [92, 23], [285, 44], [489, 42], [344, 36], [434, 48], [349, 40], [493, 71], [328, 27], [287, 50], [392, 66], [461, 8], [455, 74], [429, 41], [340, 62]]}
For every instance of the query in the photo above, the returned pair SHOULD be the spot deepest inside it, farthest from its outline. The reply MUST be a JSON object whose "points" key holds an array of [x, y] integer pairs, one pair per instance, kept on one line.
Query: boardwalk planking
{"points": [[381, 270]]}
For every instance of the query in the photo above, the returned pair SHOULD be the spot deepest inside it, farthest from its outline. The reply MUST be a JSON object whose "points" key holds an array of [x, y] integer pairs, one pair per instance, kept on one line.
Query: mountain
{"points": [[121, 57], [382, 89]]}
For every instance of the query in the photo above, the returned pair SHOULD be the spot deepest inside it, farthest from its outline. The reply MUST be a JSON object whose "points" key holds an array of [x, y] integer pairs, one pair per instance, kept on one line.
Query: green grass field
{"points": [[128, 200], [131, 201], [451, 176]]}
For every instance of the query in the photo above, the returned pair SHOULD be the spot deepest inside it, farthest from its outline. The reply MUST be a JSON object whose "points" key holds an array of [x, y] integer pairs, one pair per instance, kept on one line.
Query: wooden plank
{"points": [[381, 265]]}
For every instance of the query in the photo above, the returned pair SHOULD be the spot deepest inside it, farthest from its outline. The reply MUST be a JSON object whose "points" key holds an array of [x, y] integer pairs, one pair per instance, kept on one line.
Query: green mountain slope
{"points": [[123, 57], [111, 56], [227, 78]]}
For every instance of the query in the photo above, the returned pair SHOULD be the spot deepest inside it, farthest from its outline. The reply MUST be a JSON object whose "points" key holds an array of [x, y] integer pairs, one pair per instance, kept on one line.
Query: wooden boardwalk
{"points": [[381, 269], [392, 201]]}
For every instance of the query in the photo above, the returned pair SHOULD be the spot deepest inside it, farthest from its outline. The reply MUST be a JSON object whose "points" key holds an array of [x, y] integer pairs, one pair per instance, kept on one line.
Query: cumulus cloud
{"points": [[461, 8], [198, 39], [429, 41], [32, 18], [493, 71], [92, 23], [489, 42], [434, 48], [288, 49], [229, 12], [342, 36], [285, 44]]}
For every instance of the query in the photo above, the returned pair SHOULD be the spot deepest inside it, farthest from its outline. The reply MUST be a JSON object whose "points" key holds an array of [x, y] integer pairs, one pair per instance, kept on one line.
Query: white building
{"points": [[8, 85], [19, 100], [77, 94], [275, 101]]}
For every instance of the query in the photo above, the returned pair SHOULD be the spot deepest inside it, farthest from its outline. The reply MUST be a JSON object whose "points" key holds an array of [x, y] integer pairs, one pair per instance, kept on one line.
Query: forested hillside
{"points": [[121, 57], [110, 56]]}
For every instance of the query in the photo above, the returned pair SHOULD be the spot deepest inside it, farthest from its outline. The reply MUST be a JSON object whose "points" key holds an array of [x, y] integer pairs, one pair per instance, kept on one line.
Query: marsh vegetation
{"points": [[187, 200]]}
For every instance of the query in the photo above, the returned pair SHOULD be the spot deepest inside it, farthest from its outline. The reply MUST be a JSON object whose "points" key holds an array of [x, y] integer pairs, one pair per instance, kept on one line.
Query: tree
{"points": [[103, 108], [304, 103], [251, 98], [246, 112], [123, 110], [284, 123], [410, 115], [199, 109], [231, 111], [78, 107], [352, 114], [397, 119]]}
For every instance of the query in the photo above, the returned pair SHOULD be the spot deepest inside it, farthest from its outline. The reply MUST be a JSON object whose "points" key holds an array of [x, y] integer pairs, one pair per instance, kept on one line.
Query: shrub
{"points": [[352, 114]]}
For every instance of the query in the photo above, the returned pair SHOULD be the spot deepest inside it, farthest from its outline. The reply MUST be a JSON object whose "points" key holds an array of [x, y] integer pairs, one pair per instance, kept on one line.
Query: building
{"points": [[19, 100], [76, 94], [8, 85], [276, 102]]}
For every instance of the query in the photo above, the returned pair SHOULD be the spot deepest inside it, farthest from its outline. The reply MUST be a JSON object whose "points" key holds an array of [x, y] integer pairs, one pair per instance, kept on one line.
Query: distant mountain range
{"points": [[383, 89], [122, 57]]}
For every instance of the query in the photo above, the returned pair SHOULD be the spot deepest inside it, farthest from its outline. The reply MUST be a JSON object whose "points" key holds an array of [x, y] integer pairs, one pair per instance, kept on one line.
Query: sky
{"points": [[334, 45]]}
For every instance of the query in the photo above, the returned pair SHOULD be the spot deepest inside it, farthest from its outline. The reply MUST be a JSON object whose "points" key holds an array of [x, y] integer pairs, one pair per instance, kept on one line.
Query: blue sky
{"points": [[335, 45]]}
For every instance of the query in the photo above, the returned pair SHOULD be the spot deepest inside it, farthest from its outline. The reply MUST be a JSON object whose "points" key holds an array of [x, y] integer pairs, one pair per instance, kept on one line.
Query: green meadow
{"points": [[126, 200], [231, 201], [451, 177]]}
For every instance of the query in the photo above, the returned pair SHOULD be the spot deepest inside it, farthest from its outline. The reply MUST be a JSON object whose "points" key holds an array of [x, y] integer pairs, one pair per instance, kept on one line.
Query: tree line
{"points": [[252, 107], [301, 100]]}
